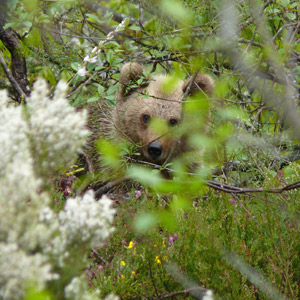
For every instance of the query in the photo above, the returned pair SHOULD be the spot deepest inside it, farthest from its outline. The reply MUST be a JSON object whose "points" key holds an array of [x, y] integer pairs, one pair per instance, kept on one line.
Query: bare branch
{"points": [[12, 80], [104, 189], [11, 41], [237, 190], [184, 292]]}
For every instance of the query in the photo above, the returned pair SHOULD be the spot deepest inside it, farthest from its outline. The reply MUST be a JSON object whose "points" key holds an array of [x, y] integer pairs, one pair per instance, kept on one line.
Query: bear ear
{"points": [[201, 82], [131, 73]]}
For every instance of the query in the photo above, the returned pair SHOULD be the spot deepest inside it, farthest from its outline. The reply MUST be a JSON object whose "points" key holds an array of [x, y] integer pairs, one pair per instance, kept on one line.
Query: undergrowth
{"points": [[261, 231]]}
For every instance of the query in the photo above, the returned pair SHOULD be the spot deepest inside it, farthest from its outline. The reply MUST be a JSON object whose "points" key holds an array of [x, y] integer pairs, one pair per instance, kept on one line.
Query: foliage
{"points": [[242, 245], [199, 244]]}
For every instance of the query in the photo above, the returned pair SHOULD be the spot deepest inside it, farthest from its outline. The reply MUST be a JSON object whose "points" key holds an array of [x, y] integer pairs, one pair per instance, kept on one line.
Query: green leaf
{"points": [[110, 152], [111, 90], [47, 73], [145, 222], [110, 57], [31, 5], [92, 99], [44, 19], [285, 3], [159, 126], [291, 16], [94, 18], [177, 11], [65, 75], [99, 68], [180, 203], [27, 23], [35, 294], [8, 25], [75, 66], [135, 28], [127, 22], [201, 141], [12, 4], [167, 220], [112, 43], [101, 89], [145, 175], [91, 66], [111, 97]]}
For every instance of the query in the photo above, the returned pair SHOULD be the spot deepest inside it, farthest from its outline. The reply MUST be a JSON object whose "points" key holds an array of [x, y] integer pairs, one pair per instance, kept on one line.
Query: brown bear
{"points": [[139, 100]]}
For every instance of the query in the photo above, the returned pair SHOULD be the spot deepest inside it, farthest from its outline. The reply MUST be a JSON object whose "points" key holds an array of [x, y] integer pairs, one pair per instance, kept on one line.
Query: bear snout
{"points": [[155, 150]]}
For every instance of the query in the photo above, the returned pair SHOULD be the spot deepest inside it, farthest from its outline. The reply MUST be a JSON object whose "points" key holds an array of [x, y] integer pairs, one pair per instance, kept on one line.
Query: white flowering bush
{"points": [[56, 129], [37, 245]]}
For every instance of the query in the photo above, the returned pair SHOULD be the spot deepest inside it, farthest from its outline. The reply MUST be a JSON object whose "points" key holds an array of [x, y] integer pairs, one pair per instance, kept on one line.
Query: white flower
{"points": [[82, 71], [56, 129], [86, 219], [18, 269], [208, 295], [90, 59], [35, 141], [112, 297], [77, 290]]}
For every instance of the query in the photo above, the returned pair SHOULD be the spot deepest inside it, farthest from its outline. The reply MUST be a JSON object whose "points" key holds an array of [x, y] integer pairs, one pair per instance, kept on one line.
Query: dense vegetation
{"points": [[231, 225]]}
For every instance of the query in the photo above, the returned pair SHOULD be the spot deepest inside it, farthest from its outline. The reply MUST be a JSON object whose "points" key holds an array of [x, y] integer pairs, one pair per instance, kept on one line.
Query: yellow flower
{"points": [[132, 273], [122, 276], [131, 245], [157, 260], [165, 258], [123, 263]]}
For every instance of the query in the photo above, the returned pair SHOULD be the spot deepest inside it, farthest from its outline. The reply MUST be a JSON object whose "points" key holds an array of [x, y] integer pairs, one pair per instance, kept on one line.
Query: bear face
{"points": [[140, 100]]}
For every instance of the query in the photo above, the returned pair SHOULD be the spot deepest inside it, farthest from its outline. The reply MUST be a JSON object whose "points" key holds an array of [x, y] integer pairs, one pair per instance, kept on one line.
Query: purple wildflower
{"points": [[232, 201], [100, 267]]}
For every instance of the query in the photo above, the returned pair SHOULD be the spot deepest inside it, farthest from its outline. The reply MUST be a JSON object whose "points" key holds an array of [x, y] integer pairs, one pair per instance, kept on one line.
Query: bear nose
{"points": [[155, 150]]}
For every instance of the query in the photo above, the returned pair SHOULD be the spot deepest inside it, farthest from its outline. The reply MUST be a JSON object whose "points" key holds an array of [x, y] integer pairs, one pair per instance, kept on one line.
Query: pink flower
{"points": [[100, 267], [232, 201]]}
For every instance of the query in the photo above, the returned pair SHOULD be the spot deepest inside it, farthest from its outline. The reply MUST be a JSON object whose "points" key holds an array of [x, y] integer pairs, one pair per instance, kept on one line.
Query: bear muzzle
{"points": [[155, 150]]}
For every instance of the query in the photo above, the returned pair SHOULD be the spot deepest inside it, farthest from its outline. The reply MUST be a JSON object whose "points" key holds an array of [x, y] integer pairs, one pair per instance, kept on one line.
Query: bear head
{"points": [[140, 100]]}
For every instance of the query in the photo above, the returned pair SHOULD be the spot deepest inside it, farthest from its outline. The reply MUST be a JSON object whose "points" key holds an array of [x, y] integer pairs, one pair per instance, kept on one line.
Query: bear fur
{"points": [[139, 100]]}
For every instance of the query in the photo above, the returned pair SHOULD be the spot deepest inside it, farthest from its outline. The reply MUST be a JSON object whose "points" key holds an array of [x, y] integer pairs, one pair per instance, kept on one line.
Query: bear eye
{"points": [[146, 119], [173, 122]]}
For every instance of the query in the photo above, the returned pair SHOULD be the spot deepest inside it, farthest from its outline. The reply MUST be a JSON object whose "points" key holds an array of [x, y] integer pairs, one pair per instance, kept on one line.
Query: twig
{"points": [[226, 187], [152, 279], [80, 86], [98, 256], [104, 189], [92, 57], [187, 91], [237, 190], [245, 209], [88, 162], [11, 41], [12, 80], [186, 291]]}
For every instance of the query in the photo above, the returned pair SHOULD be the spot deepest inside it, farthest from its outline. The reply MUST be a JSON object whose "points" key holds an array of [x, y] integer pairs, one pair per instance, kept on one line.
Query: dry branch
{"points": [[184, 292], [104, 189], [12, 80], [10, 40], [237, 190]]}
